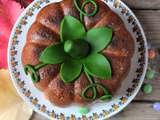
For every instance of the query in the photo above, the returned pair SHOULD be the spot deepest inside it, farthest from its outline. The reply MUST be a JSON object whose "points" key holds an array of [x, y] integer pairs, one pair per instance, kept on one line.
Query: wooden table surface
{"points": [[148, 12]]}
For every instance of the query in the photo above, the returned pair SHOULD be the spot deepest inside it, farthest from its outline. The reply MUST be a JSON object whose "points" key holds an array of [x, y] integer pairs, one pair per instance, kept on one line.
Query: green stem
{"points": [[39, 66], [81, 10], [91, 81], [30, 69], [33, 71], [93, 86]]}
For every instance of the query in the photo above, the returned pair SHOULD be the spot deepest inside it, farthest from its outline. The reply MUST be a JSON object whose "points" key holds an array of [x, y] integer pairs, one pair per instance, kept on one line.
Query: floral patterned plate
{"points": [[35, 98]]}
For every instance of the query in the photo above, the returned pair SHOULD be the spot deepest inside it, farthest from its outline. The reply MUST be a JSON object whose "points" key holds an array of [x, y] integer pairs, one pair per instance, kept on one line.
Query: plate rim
{"points": [[112, 114]]}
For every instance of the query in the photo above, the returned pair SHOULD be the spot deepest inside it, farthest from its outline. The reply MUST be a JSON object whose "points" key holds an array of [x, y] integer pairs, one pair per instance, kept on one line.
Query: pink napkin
{"points": [[9, 12], [11, 105]]}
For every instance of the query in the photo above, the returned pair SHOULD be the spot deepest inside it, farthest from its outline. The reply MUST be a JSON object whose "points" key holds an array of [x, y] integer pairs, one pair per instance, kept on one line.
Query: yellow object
{"points": [[116, 3], [11, 105]]}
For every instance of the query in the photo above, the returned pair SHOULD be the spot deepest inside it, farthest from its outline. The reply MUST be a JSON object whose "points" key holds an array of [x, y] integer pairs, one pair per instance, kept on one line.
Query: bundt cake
{"points": [[45, 31]]}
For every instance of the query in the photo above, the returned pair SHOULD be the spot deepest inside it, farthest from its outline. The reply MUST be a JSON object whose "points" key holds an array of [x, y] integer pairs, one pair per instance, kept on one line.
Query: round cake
{"points": [[45, 31]]}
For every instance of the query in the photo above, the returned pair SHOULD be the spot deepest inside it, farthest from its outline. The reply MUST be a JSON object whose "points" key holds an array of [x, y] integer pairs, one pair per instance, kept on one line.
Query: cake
{"points": [[45, 31]]}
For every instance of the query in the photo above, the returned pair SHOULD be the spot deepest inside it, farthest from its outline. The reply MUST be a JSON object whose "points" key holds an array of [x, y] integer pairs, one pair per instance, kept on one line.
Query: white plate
{"points": [[35, 98]]}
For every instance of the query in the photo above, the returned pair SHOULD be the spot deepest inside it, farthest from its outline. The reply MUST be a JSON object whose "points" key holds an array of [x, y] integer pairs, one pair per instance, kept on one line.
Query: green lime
{"points": [[147, 88], [150, 74], [83, 110]]}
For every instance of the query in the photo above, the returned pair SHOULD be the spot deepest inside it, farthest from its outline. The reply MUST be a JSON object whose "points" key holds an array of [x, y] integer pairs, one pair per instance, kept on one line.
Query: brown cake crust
{"points": [[45, 31], [51, 16], [31, 52], [39, 34], [79, 85], [47, 74], [59, 93]]}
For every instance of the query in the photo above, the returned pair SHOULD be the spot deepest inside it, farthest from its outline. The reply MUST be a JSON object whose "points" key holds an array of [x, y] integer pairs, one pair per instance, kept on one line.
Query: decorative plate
{"points": [[104, 110]]}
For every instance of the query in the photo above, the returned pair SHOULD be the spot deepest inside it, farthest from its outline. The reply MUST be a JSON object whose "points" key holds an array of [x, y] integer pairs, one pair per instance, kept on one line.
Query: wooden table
{"points": [[148, 12]]}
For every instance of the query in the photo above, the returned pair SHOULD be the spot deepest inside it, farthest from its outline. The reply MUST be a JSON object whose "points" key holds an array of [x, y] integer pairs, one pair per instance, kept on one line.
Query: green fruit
{"points": [[83, 110], [150, 74], [147, 88]]}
